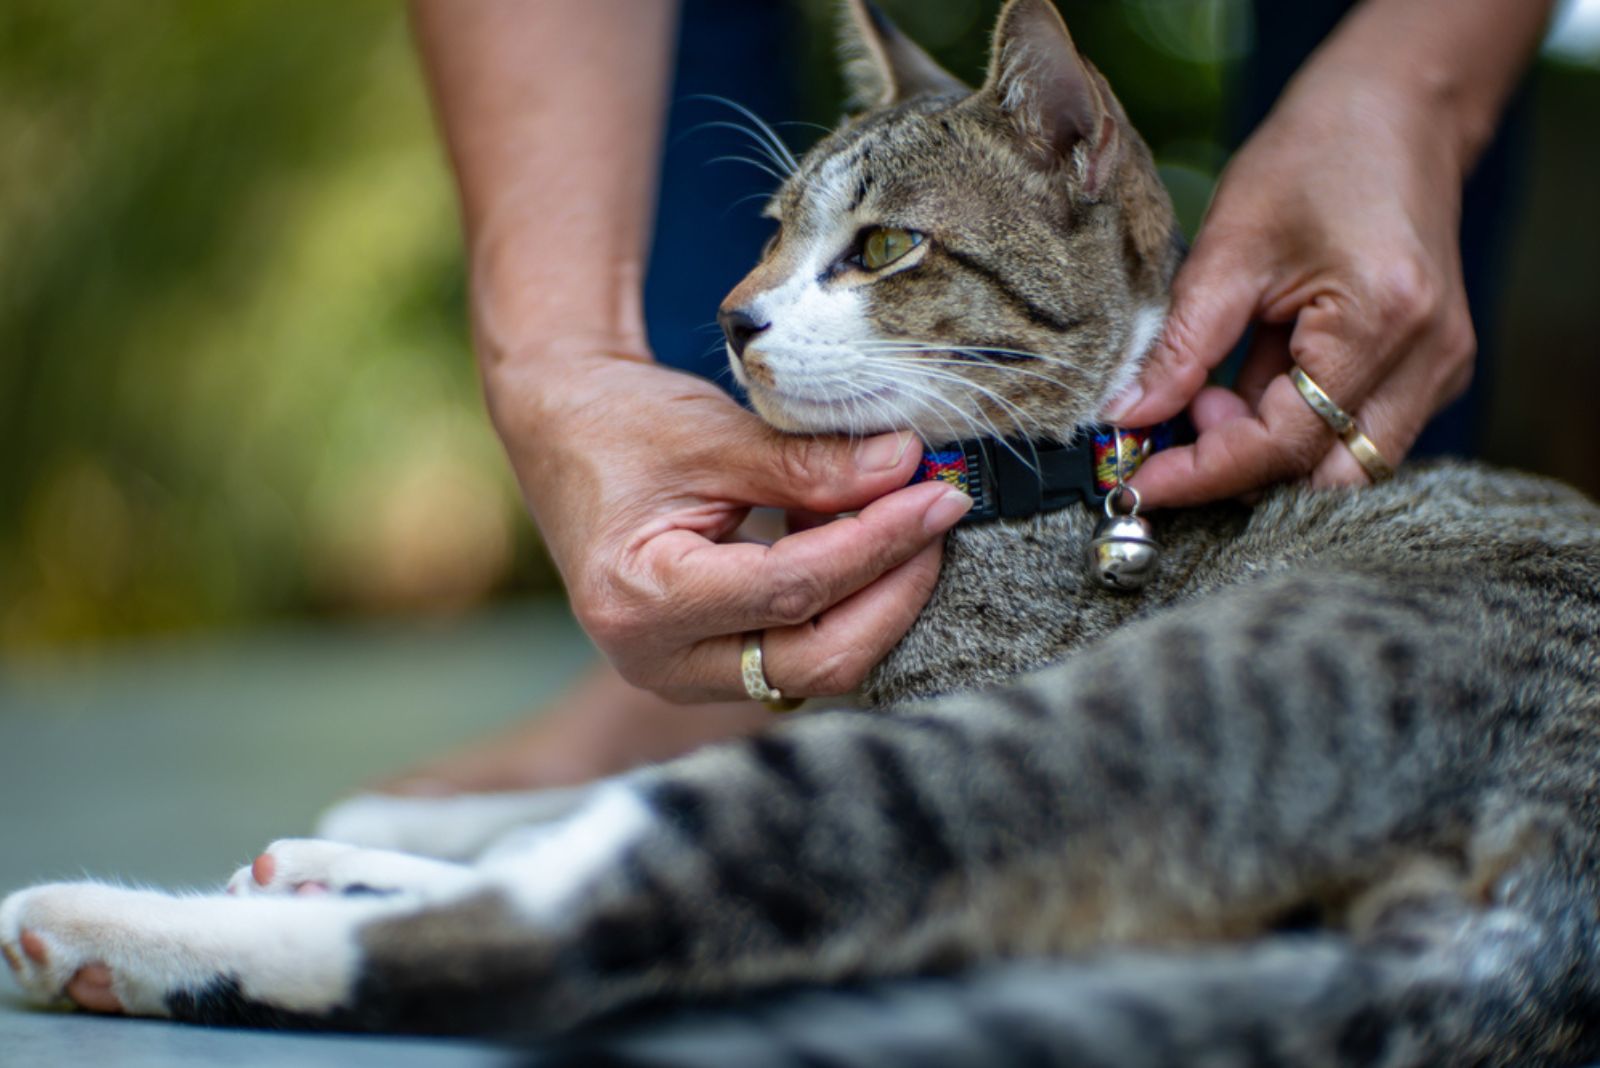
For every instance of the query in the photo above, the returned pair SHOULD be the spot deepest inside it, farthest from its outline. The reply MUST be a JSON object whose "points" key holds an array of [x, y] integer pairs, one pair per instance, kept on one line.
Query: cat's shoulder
{"points": [[1446, 500]]}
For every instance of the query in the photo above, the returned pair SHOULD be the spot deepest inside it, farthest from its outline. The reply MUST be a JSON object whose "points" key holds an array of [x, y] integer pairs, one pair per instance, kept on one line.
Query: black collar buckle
{"points": [[1014, 478]]}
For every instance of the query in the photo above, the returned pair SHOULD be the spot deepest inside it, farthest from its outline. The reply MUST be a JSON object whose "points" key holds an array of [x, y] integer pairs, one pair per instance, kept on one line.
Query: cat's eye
{"points": [[886, 244]]}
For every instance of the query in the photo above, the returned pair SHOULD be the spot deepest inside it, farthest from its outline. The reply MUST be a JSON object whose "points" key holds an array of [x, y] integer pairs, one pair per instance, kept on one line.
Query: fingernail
{"points": [[1123, 403], [883, 452], [943, 513]]}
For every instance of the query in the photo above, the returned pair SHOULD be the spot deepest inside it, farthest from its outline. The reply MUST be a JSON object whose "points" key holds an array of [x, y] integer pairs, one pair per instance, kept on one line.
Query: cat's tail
{"points": [[1495, 998]]}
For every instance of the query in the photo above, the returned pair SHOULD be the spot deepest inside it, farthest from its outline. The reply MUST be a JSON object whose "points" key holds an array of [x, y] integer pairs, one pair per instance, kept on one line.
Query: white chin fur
{"points": [[1148, 322], [853, 412]]}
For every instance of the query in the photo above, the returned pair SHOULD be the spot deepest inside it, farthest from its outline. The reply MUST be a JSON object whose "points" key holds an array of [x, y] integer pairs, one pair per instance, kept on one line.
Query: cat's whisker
{"points": [[925, 393], [920, 367], [761, 144], [804, 125], [1002, 368], [760, 195], [761, 126], [893, 417], [751, 162], [899, 417], [1020, 419], [974, 350], [983, 352], [1024, 424], [1012, 412]]}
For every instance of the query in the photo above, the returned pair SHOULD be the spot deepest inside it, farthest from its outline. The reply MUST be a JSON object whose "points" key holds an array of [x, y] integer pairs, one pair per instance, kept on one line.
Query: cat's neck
{"points": [[1014, 594], [1011, 593]]}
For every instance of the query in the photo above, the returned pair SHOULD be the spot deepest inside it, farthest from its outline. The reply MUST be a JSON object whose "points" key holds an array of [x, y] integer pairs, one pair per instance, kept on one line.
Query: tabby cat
{"points": [[1326, 792]]}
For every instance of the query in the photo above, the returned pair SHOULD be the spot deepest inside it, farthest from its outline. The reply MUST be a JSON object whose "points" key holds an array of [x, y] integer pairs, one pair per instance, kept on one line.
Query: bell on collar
{"points": [[1123, 555]]}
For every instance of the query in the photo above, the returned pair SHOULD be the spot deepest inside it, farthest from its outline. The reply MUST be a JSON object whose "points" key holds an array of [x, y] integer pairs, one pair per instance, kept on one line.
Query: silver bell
{"points": [[1123, 553]]}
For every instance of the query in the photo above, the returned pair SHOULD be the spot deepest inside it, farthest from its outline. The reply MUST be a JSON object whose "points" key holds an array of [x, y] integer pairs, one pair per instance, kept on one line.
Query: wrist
{"points": [[531, 302], [1446, 67]]}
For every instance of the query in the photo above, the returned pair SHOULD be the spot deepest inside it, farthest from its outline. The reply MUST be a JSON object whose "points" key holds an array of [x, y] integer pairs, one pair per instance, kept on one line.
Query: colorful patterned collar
{"points": [[1015, 478]]}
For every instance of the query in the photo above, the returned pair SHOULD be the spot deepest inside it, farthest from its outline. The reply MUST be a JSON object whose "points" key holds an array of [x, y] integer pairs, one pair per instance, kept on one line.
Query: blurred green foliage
{"points": [[234, 374]]}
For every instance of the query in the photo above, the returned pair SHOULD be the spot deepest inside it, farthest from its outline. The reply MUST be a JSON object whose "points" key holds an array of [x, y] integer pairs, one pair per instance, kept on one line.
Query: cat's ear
{"points": [[882, 65], [1055, 98]]}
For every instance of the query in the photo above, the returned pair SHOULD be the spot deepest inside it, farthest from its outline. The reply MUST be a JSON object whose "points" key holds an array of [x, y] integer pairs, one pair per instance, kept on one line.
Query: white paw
{"points": [[313, 866], [50, 934], [153, 954], [449, 828]]}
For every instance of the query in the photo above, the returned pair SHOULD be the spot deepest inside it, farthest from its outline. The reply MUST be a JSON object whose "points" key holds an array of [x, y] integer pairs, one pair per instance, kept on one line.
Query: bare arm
{"points": [[553, 115], [637, 475], [1335, 229]]}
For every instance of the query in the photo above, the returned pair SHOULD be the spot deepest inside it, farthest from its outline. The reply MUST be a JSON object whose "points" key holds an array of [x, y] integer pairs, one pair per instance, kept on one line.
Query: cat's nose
{"points": [[740, 327]]}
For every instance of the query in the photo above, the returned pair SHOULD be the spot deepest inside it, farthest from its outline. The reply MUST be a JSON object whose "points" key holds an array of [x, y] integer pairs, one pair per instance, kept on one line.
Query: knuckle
{"points": [[615, 613], [797, 596], [801, 461], [1296, 454], [608, 624], [1408, 295]]}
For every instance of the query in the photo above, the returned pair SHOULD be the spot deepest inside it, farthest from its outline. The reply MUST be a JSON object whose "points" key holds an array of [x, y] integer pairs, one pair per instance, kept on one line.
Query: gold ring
{"points": [[755, 678], [1343, 424], [1324, 405], [1367, 455]]}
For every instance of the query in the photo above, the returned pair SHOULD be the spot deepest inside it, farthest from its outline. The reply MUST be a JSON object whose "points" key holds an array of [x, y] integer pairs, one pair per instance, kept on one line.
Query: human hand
{"points": [[638, 475], [1335, 229]]}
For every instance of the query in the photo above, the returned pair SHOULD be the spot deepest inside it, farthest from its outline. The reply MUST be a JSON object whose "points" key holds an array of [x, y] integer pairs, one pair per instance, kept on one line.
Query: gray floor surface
{"points": [[171, 763]]}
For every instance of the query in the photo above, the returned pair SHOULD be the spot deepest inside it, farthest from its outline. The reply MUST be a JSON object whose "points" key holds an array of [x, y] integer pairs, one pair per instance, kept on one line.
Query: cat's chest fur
{"points": [[1014, 595]]}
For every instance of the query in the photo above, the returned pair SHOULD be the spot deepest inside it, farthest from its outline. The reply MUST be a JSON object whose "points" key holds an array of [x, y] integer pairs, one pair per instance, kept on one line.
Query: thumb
{"points": [[826, 475], [1213, 299]]}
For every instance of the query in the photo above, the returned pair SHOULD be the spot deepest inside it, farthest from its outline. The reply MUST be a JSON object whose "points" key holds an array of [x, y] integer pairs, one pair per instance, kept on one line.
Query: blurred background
{"points": [[235, 385]]}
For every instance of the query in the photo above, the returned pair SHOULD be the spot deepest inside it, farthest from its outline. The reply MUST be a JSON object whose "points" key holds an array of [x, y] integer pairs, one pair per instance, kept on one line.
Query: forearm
{"points": [[552, 113], [1457, 59]]}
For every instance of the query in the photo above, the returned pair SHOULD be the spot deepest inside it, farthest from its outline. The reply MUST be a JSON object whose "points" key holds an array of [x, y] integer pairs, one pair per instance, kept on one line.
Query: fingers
{"points": [[833, 653], [1215, 406], [1267, 358], [684, 589], [1239, 449], [1346, 349], [823, 475], [1282, 439], [795, 578], [1394, 416], [829, 655], [1213, 299]]}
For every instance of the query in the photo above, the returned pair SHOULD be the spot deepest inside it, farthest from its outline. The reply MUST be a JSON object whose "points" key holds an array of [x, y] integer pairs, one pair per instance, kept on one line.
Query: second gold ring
{"points": [[1343, 423]]}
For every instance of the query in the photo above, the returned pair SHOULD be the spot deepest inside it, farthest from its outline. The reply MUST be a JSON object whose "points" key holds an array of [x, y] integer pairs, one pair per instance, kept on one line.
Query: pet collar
{"points": [[1013, 478]]}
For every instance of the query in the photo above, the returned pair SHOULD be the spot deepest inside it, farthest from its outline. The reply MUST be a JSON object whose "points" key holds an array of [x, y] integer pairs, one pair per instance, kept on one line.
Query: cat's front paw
{"points": [[54, 939], [207, 958], [306, 866]]}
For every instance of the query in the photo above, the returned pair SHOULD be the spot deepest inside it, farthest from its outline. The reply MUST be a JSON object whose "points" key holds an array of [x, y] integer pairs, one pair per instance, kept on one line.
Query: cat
{"points": [[1325, 792]]}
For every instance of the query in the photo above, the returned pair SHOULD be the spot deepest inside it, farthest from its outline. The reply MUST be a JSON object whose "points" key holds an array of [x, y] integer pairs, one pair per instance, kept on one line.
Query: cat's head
{"points": [[959, 262]]}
